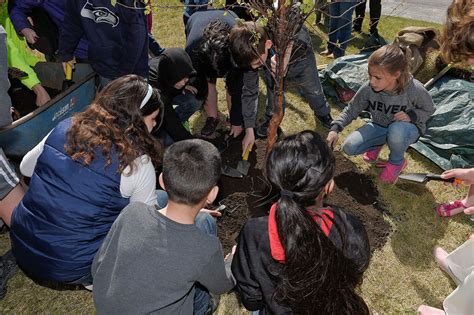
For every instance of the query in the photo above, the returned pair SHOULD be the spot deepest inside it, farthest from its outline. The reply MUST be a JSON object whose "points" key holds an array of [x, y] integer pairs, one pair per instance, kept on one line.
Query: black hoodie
{"points": [[165, 71]]}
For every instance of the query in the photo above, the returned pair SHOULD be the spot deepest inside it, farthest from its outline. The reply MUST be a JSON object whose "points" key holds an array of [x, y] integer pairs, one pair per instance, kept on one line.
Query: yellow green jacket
{"points": [[19, 55]]}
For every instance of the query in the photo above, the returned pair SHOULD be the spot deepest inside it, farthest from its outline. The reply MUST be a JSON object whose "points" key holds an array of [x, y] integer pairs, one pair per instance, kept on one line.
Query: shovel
{"points": [[424, 177], [67, 83], [244, 165], [231, 172]]}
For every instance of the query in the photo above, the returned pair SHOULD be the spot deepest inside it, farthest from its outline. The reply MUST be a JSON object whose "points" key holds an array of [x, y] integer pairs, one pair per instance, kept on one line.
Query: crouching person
{"points": [[166, 260]]}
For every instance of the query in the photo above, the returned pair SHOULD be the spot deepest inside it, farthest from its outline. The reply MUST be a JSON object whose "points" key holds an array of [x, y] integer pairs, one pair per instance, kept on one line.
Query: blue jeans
{"points": [[208, 225], [398, 135], [302, 74], [186, 105], [340, 26]]}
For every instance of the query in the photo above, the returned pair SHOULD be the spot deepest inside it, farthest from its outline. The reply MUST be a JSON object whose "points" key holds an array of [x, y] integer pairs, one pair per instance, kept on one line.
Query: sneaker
{"points": [[8, 269], [372, 155], [326, 120], [210, 126], [262, 130], [391, 171], [325, 52], [451, 208]]}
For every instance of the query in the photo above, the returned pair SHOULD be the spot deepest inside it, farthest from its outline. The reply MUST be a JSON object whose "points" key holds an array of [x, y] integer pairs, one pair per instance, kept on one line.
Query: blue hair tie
{"points": [[287, 193]]}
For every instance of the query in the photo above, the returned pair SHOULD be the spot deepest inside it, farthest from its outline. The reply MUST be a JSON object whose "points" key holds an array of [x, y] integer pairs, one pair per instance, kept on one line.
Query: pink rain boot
{"points": [[372, 155], [390, 172]]}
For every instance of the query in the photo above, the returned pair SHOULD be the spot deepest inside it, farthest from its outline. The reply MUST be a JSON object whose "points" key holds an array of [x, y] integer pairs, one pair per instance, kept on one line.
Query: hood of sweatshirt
{"points": [[174, 65]]}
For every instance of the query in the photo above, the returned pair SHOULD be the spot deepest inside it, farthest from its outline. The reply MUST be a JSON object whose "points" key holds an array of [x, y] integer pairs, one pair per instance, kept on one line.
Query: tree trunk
{"points": [[279, 81]]}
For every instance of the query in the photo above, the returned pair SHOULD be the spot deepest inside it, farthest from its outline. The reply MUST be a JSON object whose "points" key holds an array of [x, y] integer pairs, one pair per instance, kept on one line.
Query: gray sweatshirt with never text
{"points": [[413, 100]]}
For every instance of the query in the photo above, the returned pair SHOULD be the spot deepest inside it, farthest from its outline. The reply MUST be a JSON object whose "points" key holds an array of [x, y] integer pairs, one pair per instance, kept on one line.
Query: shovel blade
{"points": [[415, 177], [243, 167], [231, 172]]}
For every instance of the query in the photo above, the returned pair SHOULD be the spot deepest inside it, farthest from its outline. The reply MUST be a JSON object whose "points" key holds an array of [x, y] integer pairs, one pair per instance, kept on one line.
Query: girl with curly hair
{"points": [[457, 40], [303, 258], [83, 174]]}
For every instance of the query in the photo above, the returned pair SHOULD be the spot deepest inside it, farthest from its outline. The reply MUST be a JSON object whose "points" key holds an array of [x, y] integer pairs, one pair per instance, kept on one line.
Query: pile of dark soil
{"points": [[252, 195]]}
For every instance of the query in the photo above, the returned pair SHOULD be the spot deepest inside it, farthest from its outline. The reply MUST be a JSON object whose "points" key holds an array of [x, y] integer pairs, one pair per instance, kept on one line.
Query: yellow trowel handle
{"points": [[68, 72], [245, 156]]}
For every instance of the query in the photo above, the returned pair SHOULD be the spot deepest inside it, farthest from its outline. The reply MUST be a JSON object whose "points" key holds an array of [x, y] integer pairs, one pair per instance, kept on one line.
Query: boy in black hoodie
{"points": [[173, 74]]}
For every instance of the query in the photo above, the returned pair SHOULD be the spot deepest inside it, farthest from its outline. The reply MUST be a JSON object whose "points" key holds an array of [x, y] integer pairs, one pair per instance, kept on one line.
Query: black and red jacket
{"points": [[259, 256]]}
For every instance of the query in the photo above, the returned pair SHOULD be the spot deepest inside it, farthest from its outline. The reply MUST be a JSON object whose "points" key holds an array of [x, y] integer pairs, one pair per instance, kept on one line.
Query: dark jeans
{"points": [[234, 84], [340, 27], [375, 9], [153, 46], [302, 74]]}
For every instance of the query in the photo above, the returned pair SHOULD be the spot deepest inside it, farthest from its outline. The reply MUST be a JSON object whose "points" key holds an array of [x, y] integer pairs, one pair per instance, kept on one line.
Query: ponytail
{"points": [[315, 275]]}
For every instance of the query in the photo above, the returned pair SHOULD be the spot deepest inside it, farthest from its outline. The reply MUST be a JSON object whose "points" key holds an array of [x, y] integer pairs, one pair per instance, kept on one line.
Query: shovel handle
{"points": [[246, 154], [68, 72], [437, 177]]}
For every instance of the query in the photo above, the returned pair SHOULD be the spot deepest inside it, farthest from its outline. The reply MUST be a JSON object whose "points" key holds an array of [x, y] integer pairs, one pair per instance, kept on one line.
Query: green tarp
{"points": [[449, 140]]}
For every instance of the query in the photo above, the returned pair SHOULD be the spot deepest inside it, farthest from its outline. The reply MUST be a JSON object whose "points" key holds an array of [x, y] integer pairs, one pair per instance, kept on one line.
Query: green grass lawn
{"points": [[402, 275]]}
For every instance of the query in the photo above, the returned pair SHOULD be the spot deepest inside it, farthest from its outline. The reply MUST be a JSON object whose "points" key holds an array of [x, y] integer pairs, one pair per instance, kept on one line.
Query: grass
{"points": [[402, 275]]}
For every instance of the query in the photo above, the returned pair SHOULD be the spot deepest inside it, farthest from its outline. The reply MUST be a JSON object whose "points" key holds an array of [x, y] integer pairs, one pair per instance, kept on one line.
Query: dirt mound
{"points": [[252, 195]]}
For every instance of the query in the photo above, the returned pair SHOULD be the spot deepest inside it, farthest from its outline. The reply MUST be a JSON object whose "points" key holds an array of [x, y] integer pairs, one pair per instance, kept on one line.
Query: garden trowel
{"points": [[244, 164], [231, 172], [67, 83], [424, 177]]}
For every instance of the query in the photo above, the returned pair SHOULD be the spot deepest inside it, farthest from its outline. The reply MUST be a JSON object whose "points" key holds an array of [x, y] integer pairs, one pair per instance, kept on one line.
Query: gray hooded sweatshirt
{"points": [[413, 100]]}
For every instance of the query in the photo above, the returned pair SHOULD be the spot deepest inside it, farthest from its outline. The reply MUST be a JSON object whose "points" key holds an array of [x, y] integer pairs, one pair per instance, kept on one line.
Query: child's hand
{"points": [[466, 175], [191, 89], [30, 35], [212, 213], [401, 116], [332, 139]]}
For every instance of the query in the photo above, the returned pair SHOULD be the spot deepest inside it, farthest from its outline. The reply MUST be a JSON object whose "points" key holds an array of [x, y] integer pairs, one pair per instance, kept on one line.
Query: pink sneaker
{"points": [[451, 208], [390, 172], [372, 155]]}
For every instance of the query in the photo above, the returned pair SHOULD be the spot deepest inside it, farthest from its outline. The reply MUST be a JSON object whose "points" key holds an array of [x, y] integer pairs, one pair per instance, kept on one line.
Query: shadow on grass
{"points": [[417, 228], [426, 294]]}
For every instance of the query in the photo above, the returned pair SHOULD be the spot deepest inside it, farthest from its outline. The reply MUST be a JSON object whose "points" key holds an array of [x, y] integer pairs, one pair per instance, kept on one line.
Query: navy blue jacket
{"points": [[117, 36], [66, 212], [55, 8]]}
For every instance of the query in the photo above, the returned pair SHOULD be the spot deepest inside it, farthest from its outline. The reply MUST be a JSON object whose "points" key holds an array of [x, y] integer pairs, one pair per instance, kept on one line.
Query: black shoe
{"points": [[210, 126], [325, 120], [213, 304], [8, 269], [262, 130]]}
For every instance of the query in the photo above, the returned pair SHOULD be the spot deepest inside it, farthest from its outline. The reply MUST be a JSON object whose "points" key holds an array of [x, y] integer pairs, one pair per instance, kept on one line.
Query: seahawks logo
{"points": [[99, 14]]}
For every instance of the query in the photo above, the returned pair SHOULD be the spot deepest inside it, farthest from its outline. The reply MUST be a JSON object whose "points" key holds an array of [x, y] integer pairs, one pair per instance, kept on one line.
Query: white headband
{"points": [[147, 96]]}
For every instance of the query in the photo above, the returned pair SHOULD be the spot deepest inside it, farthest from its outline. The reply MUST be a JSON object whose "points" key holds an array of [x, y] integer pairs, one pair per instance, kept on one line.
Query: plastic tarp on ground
{"points": [[449, 139]]}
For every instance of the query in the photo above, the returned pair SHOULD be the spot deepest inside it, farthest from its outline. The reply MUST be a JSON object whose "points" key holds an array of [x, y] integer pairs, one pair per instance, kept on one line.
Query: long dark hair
{"points": [[114, 120], [316, 276]]}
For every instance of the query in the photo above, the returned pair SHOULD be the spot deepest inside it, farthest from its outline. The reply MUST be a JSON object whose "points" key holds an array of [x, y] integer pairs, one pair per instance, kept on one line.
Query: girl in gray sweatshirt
{"points": [[399, 106]]}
